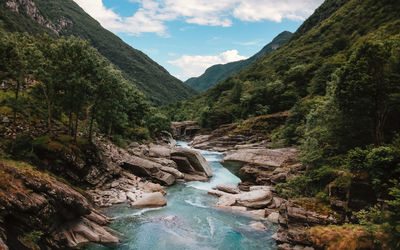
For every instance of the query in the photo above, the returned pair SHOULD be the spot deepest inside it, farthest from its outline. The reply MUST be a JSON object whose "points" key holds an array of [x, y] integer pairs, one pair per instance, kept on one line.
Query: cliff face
{"points": [[38, 211], [29, 8]]}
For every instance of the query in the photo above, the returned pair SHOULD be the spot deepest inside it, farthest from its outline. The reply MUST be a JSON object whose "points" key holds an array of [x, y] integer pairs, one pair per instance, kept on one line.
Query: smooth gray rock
{"points": [[156, 199]]}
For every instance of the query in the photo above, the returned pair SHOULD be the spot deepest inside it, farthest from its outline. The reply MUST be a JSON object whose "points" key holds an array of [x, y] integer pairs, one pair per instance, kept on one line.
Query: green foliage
{"points": [[367, 91], [309, 184], [157, 122], [303, 71], [31, 239], [381, 163], [153, 80], [394, 219], [70, 79]]}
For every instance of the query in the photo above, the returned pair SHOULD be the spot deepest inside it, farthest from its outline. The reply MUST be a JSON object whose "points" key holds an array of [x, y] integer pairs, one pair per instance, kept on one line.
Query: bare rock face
{"points": [[149, 169], [227, 188], [263, 157], [255, 199], [33, 201], [184, 130], [29, 8], [159, 151], [150, 200], [196, 160], [85, 231]]}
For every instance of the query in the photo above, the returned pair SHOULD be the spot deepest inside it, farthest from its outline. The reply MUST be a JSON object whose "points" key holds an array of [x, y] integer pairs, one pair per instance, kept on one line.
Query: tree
{"points": [[17, 52], [366, 91]]}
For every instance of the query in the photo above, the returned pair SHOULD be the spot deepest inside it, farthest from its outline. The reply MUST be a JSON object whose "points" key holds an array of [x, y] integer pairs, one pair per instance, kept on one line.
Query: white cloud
{"points": [[146, 19], [192, 66], [152, 14]]}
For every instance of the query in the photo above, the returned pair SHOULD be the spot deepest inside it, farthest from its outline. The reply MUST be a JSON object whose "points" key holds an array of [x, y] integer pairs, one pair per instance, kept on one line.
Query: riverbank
{"points": [[260, 169], [191, 219]]}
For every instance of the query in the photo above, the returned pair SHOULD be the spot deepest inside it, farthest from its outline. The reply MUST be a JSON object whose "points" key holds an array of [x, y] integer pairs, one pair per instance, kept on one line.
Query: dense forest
{"points": [[338, 76], [65, 18], [68, 83]]}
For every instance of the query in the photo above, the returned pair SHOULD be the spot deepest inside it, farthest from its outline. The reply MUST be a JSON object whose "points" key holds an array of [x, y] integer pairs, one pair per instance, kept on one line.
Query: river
{"points": [[189, 221]]}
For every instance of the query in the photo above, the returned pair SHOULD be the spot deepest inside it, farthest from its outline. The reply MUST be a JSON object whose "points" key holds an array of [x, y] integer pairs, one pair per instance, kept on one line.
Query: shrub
{"points": [[31, 239]]}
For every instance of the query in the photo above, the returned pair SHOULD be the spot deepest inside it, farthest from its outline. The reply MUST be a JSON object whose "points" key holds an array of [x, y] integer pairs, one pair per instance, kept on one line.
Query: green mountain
{"points": [[221, 72], [65, 18], [300, 68]]}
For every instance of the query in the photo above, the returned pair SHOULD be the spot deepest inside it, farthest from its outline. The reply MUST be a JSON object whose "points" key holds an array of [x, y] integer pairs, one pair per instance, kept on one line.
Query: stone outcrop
{"points": [[227, 188], [254, 199], [149, 169], [29, 8], [184, 130], [232, 136], [150, 200], [263, 157], [262, 166], [197, 162], [35, 202]]}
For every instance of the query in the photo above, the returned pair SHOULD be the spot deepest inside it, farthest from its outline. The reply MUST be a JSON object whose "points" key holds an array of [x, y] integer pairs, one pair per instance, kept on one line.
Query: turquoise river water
{"points": [[189, 221]]}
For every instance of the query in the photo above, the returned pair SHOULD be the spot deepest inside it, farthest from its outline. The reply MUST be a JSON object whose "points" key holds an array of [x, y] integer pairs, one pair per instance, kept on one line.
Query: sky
{"points": [[188, 36]]}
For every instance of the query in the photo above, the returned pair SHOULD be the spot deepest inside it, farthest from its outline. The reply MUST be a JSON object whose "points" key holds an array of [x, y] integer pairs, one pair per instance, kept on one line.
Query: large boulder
{"points": [[228, 188], [263, 157], [183, 164], [156, 199], [159, 151], [148, 169], [173, 171], [184, 130], [255, 199], [196, 160]]}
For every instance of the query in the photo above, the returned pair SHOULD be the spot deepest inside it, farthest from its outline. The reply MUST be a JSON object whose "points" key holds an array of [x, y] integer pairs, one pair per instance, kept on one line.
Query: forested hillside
{"points": [[65, 17], [339, 78], [221, 72]]}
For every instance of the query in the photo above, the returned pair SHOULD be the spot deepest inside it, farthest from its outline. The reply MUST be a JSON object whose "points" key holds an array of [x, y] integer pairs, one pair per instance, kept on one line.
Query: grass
{"points": [[346, 237], [315, 206]]}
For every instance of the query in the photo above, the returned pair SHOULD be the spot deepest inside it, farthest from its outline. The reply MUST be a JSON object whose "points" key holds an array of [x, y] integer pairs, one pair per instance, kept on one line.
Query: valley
{"points": [[296, 147]]}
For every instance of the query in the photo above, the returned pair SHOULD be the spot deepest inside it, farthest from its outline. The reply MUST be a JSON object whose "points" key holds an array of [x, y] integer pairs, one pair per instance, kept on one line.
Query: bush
{"points": [[381, 163], [138, 133], [308, 184], [31, 239]]}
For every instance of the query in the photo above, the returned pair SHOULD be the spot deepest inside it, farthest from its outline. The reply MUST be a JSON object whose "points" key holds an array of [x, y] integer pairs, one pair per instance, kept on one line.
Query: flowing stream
{"points": [[189, 221]]}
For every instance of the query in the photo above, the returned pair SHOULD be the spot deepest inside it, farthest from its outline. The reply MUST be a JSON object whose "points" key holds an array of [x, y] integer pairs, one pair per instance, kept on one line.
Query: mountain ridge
{"points": [[65, 18], [221, 72]]}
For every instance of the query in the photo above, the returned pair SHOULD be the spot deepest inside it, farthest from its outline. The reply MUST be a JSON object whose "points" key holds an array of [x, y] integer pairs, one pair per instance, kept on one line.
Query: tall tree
{"points": [[365, 91]]}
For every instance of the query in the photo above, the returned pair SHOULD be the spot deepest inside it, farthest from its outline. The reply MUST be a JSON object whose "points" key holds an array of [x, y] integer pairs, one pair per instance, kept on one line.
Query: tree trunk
{"points": [[70, 124], [109, 129], [91, 128], [16, 99], [76, 127], [381, 116], [91, 122], [48, 110]]}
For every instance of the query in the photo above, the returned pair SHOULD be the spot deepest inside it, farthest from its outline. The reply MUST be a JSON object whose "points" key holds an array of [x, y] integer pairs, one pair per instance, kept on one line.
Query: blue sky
{"points": [[188, 36]]}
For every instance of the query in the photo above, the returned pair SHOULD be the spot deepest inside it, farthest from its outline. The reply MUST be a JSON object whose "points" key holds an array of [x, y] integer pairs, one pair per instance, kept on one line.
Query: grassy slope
{"points": [[151, 78], [343, 22], [221, 72]]}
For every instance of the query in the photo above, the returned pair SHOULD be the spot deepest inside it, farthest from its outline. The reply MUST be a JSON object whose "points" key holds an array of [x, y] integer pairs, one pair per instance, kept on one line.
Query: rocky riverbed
{"points": [[260, 168], [123, 183]]}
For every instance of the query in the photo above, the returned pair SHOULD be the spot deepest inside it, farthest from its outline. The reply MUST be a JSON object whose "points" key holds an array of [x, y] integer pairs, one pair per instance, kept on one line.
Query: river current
{"points": [[189, 221]]}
